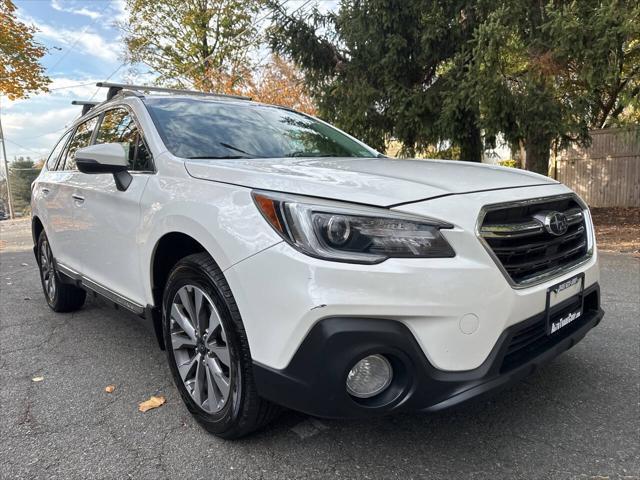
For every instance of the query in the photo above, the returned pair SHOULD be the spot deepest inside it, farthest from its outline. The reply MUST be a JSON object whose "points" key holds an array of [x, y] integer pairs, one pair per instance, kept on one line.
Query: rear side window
{"points": [[81, 138], [117, 126], [55, 153]]}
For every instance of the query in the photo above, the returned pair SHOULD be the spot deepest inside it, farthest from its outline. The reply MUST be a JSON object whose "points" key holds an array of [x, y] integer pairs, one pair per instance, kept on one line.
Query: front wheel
{"points": [[61, 297], [208, 351]]}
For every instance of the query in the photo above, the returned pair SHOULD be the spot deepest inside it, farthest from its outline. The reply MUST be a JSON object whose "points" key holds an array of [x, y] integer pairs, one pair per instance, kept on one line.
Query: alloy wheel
{"points": [[200, 348], [47, 270]]}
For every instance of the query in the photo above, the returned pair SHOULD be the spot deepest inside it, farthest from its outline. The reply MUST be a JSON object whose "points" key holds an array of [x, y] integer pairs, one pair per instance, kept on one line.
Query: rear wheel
{"points": [[61, 297], [208, 351]]}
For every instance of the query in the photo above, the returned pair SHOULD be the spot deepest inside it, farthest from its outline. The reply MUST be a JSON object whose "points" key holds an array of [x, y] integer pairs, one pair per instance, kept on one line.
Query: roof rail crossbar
{"points": [[86, 105], [114, 88]]}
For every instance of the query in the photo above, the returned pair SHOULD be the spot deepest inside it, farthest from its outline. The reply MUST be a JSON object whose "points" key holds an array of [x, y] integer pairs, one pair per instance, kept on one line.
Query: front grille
{"points": [[517, 236]]}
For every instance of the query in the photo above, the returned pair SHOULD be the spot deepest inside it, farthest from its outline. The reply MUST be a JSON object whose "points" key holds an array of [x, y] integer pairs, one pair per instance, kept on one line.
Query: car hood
{"points": [[373, 181]]}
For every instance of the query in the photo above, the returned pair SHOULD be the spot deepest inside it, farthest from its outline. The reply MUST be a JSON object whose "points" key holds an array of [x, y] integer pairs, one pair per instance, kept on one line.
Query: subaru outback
{"points": [[282, 262]]}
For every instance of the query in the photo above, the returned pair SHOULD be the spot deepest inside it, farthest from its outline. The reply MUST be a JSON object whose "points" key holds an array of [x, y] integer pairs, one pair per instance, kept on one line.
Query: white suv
{"points": [[282, 262]]}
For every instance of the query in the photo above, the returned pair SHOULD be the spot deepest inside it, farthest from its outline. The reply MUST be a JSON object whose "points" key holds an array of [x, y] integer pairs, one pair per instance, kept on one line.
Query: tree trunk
{"points": [[471, 145], [538, 149]]}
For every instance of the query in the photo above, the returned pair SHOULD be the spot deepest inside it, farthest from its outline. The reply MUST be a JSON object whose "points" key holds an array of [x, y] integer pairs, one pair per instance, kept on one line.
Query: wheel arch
{"points": [[36, 228], [168, 250], [169, 236]]}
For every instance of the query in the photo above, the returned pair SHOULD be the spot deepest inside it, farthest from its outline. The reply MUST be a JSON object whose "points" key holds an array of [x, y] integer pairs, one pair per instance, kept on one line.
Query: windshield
{"points": [[200, 128]]}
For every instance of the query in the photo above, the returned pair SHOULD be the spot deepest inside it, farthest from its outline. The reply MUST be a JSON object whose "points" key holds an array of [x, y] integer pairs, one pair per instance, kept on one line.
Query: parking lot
{"points": [[579, 417]]}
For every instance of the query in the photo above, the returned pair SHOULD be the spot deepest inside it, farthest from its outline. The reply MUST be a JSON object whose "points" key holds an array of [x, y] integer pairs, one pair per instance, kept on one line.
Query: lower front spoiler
{"points": [[314, 380]]}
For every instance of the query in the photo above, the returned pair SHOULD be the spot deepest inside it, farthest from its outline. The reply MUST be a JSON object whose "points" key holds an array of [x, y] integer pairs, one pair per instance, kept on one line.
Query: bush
{"points": [[508, 163]]}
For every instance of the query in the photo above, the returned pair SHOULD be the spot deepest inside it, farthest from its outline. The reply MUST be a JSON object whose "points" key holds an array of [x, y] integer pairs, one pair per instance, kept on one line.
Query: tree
{"points": [[202, 42], [20, 70], [599, 48], [546, 72], [4, 198], [281, 83], [386, 70], [22, 173]]}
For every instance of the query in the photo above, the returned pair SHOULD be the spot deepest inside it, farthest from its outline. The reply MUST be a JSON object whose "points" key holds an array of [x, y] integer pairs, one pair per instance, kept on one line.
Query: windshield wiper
{"points": [[231, 147], [311, 154], [219, 157]]}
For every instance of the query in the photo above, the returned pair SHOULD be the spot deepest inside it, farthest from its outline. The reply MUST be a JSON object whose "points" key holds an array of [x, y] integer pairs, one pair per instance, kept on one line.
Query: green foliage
{"points": [[441, 153], [598, 47], [191, 41], [22, 172], [548, 72], [384, 69], [427, 71], [4, 200]]}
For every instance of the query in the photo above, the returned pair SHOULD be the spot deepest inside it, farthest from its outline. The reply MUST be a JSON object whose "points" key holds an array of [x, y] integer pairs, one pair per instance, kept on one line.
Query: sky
{"points": [[84, 47]]}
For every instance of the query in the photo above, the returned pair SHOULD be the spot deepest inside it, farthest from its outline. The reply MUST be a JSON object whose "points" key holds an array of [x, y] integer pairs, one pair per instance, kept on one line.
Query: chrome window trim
{"points": [[557, 272]]}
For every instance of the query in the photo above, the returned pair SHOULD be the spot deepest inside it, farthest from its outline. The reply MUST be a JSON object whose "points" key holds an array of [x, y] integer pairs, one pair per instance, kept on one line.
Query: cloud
{"points": [[73, 87], [57, 118], [119, 11], [57, 5], [34, 134], [84, 40], [60, 89], [87, 41]]}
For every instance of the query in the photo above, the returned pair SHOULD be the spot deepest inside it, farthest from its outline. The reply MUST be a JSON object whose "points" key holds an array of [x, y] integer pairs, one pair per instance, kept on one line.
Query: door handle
{"points": [[78, 198]]}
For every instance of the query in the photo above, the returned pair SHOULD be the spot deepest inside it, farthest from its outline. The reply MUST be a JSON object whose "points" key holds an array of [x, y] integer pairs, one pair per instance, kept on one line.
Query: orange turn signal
{"points": [[268, 208]]}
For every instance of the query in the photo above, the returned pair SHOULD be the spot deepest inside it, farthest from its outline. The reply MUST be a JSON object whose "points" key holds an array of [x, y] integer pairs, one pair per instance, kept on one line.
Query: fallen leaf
{"points": [[153, 402], [109, 388], [37, 379]]}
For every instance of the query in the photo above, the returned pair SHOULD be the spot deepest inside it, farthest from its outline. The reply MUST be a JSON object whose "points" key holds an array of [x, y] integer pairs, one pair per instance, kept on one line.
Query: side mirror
{"points": [[105, 158]]}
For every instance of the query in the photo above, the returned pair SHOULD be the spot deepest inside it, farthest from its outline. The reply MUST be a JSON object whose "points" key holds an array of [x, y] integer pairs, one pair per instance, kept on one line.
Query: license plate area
{"points": [[568, 310]]}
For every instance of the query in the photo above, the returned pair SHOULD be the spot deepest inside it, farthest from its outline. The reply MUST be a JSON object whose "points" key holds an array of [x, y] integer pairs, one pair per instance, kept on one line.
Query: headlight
{"points": [[352, 233]]}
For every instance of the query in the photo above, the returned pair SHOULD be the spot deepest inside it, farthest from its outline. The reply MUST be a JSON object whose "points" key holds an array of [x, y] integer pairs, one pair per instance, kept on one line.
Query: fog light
{"points": [[369, 376]]}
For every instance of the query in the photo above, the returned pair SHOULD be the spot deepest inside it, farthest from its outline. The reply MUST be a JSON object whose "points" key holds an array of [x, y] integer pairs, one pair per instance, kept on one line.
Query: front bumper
{"points": [[314, 380]]}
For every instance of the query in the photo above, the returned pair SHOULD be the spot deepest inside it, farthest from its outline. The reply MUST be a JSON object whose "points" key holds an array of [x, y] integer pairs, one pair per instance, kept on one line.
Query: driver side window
{"points": [[117, 126]]}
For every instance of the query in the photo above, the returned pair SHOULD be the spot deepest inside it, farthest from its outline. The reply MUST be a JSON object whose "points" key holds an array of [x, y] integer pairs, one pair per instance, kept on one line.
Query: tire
{"points": [[61, 297], [210, 362]]}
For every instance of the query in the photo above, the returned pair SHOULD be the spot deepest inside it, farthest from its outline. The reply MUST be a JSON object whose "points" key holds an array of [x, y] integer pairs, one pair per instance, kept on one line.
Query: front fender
{"points": [[222, 218]]}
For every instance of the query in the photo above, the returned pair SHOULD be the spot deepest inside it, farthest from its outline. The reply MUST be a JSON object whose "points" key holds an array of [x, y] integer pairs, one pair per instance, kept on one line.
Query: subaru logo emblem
{"points": [[556, 223]]}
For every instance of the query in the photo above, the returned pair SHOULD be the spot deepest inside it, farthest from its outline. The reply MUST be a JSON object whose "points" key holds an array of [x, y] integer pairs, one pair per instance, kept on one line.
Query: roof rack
{"points": [[115, 88], [86, 105]]}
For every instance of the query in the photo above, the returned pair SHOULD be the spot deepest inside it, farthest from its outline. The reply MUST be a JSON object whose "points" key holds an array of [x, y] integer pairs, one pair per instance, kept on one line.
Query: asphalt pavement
{"points": [[579, 417]]}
